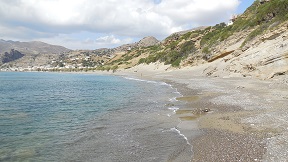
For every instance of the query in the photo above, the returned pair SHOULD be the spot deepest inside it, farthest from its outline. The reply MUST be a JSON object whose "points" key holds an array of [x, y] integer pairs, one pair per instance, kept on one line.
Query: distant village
{"points": [[78, 60]]}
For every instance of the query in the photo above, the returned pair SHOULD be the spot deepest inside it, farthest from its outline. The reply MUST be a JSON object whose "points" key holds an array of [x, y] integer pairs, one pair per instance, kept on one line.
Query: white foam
{"points": [[182, 135], [148, 81], [178, 131], [173, 99], [139, 80], [178, 93], [165, 84], [174, 109]]}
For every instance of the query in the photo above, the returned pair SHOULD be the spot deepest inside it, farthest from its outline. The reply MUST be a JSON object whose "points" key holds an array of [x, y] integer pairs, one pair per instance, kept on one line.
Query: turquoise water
{"points": [[78, 117]]}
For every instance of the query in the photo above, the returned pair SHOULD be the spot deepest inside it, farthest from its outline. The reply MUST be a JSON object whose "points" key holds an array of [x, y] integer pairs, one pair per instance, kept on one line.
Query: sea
{"points": [[88, 117]]}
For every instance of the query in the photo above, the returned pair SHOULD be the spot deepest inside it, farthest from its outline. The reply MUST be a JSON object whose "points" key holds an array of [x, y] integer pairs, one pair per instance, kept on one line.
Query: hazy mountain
{"points": [[32, 53], [34, 47]]}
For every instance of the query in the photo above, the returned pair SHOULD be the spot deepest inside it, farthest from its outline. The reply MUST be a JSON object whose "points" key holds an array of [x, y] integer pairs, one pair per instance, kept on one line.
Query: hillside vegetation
{"points": [[202, 45], [262, 26]]}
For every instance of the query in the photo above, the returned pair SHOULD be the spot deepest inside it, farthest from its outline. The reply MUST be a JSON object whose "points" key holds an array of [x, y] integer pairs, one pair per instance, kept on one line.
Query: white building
{"points": [[232, 20]]}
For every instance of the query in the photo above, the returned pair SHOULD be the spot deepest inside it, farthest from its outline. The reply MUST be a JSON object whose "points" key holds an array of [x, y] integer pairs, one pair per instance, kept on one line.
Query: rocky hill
{"points": [[42, 55], [256, 45], [34, 47], [147, 41], [144, 42], [24, 54]]}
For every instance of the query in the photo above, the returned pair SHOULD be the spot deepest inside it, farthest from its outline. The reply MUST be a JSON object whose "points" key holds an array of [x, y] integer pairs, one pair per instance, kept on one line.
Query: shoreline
{"points": [[222, 138], [230, 113], [236, 119]]}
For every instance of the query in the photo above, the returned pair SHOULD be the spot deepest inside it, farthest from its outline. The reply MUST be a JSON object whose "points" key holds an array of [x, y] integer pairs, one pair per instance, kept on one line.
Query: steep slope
{"points": [[255, 45], [128, 55]]}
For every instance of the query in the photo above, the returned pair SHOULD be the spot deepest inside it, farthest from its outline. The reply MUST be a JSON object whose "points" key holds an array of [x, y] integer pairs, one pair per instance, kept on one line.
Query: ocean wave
{"points": [[140, 80], [148, 81], [182, 135], [174, 109], [174, 99]]}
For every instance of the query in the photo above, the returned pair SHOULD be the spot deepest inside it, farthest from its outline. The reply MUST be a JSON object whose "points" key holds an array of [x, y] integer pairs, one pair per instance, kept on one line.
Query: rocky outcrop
{"points": [[11, 56], [266, 58], [223, 54], [147, 41]]}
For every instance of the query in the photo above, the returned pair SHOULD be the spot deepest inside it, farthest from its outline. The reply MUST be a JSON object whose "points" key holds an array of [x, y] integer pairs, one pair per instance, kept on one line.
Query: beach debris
{"points": [[206, 110], [240, 87], [170, 105]]}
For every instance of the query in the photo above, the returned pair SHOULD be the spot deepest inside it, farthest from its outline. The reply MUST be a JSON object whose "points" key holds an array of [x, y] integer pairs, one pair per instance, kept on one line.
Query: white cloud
{"points": [[108, 41], [126, 18]]}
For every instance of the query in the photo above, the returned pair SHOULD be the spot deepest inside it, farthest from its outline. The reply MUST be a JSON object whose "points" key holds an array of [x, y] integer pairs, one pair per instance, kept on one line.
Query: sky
{"points": [[93, 24]]}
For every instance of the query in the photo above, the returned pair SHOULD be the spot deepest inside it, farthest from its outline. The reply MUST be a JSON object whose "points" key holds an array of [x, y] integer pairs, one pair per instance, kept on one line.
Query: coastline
{"points": [[234, 118]]}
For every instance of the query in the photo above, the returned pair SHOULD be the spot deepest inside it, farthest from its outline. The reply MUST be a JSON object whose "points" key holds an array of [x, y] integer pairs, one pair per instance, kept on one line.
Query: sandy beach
{"points": [[240, 119]]}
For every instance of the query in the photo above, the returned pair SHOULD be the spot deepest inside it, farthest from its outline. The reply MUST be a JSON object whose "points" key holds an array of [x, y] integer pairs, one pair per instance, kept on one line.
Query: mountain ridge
{"points": [[31, 51]]}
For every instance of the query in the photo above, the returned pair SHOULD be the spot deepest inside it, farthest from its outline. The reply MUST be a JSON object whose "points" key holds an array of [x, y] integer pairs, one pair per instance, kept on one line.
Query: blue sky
{"points": [[244, 4], [90, 24]]}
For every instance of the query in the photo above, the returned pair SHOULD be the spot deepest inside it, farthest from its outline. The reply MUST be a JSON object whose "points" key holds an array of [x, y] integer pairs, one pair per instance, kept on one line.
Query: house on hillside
{"points": [[232, 20]]}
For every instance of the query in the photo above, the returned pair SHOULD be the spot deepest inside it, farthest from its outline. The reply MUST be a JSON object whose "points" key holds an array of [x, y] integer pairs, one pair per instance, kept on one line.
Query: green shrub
{"points": [[114, 68], [177, 62], [255, 33], [150, 59], [138, 54], [263, 15], [173, 45], [126, 58], [212, 37], [108, 68], [154, 48], [187, 48], [100, 68], [186, 35], [142, 60], [206, 50], [171, 57]]}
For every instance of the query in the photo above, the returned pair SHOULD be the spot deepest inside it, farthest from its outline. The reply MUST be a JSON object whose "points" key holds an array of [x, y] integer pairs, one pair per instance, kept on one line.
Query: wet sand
{"points": [[224, 137], [240, 119]]}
